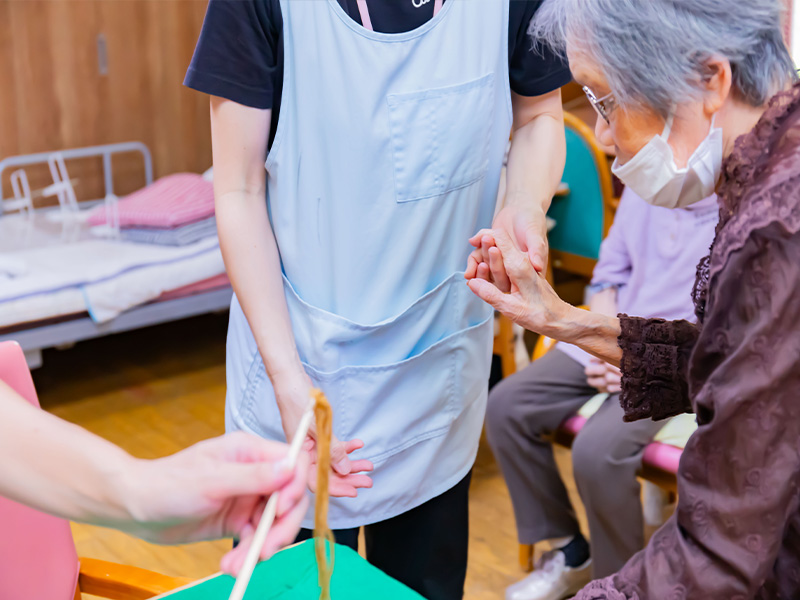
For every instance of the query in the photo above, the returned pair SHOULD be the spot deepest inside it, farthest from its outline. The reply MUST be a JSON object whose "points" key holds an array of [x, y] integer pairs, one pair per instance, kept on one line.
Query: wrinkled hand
{"points": [[527, 230], [613, 379], [347, 476], [604, 377], [596, 375], [215, 489], [516, 289]]}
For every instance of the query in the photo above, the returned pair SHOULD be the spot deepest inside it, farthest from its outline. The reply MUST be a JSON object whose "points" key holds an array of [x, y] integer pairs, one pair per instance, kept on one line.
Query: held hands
{"points": [[347, 476], [511, 284], [524, 226], [217, 488]]}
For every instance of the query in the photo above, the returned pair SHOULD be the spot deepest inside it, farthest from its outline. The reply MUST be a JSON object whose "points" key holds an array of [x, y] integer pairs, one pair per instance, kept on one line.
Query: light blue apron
{"points": [[386, 160]]}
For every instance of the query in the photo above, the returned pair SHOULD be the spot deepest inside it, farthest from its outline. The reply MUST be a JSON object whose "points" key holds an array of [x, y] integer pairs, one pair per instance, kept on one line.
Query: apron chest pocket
{"points": [[440, 138]]}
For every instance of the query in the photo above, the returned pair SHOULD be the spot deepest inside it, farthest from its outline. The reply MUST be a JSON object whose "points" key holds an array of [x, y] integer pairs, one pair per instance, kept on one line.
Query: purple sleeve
{"points": [[614, 264], [734, 532]]}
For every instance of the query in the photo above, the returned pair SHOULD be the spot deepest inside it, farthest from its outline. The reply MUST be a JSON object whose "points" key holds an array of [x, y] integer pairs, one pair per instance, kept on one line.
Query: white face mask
{"points": [[652, 173]]}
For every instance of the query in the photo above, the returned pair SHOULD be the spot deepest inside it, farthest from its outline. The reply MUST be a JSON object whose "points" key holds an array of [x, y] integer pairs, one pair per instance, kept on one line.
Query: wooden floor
{"points": [[158, 390]]}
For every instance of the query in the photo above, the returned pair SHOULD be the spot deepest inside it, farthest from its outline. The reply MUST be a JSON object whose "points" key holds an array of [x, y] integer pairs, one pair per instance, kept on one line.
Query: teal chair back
{"points": [[583, 215]]}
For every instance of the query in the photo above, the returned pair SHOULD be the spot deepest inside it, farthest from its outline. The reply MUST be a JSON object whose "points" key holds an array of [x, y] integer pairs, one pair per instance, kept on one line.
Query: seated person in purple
{"points": [[646, 267]]}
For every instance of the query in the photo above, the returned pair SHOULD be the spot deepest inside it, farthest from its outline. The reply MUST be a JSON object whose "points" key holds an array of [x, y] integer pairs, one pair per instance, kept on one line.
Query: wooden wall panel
{"points": [[37, 108], [52, 95], [133, 66], [8, 102]]}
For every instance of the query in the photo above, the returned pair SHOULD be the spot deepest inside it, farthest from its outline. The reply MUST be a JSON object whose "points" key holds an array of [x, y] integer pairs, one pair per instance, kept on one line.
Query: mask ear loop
{"points": [[668, 125]]}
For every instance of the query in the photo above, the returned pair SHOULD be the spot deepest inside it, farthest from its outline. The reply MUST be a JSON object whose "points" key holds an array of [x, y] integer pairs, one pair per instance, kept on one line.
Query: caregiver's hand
{"points": [[347, 476], [341, 486], [516, 288], [525, 226]]}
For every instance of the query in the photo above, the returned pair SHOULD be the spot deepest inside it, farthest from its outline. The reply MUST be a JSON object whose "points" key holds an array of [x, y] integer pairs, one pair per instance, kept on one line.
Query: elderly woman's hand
{"points": [[605, 378], [512, 286]]}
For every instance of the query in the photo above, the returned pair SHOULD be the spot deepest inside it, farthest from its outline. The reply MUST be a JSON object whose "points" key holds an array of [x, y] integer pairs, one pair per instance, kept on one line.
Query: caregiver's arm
{"points": [[535, 166], [537, 157], [240, 135], [239, 142], [210, 490]]}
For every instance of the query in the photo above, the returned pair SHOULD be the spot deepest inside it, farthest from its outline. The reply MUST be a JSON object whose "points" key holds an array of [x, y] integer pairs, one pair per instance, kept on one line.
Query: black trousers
{"points": [[424, 548]]}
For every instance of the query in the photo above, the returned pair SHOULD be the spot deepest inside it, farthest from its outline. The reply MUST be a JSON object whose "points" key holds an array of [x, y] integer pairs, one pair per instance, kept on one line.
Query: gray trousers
{"points": [[526, 407]]}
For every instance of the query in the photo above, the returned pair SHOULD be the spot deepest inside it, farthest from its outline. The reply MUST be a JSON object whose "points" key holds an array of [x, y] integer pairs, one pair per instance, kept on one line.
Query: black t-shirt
{"points": [[239, 55]]}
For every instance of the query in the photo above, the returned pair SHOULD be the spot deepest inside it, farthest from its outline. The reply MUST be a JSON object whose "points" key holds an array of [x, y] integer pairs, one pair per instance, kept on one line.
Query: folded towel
{"points": [[176, 236], [170, 202]]}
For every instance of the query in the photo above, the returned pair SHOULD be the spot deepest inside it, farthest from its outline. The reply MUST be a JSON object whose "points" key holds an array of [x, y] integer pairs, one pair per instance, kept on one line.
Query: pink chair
{"points": [[38, 560]]}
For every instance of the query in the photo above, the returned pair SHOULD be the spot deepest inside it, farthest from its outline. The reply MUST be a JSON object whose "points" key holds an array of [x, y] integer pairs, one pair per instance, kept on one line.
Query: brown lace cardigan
{"points": [[736, 532]]}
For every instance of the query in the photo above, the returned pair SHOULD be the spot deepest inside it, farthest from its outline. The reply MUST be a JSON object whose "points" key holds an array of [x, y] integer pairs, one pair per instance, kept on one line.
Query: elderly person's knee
{"points": [[593, 459]]}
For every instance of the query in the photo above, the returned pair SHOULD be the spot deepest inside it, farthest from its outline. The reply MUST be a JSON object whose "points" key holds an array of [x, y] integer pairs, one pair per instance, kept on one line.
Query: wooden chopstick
{"points": [[268, 516]]}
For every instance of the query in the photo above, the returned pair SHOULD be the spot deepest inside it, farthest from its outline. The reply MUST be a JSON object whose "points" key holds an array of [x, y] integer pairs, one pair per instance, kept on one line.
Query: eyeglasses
{"points": [[604, 106]]}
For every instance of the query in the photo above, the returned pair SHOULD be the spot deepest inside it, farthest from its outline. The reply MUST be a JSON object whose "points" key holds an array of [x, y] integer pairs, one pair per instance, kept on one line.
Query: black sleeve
{"points": [[532, 72], [237, 53]]}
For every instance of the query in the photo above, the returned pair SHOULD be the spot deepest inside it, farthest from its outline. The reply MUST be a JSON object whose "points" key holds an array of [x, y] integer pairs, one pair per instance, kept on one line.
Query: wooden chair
{"points": [[504, 345], [584, 215], [38, 559]]}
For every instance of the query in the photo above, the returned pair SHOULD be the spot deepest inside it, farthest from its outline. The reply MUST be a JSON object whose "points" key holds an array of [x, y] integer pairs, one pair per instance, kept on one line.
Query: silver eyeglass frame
{"points": [[604, 106]]}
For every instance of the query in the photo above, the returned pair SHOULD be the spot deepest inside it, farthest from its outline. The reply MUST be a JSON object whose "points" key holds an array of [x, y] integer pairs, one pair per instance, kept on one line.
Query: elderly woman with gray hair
{"points": [[696, 95]]}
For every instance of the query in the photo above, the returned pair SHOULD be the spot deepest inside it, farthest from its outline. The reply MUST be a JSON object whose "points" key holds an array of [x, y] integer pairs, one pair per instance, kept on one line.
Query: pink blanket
{"points": [[170, 202]]}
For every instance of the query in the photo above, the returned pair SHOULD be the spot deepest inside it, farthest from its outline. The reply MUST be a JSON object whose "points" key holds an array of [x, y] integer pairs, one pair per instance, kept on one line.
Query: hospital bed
{"points": [[60, 283]]}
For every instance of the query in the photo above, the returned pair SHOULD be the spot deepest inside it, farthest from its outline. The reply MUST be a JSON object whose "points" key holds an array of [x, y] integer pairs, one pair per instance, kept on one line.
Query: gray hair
{"points": [[654, 52]]}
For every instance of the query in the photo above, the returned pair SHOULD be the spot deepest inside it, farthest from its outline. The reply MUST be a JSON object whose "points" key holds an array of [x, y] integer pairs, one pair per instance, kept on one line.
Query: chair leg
{"points": [[526, 557], [504, 346]]}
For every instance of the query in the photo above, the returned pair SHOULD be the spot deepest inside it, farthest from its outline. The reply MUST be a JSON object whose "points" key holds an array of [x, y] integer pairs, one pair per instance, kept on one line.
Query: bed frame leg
{"points": [[34, 358]]}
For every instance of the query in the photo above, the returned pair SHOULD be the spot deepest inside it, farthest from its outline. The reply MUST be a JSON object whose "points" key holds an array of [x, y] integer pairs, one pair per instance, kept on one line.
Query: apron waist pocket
{"points": [[394, 406]]}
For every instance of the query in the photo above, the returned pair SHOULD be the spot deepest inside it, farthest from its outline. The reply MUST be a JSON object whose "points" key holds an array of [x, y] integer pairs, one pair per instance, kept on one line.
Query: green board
{"points": [[292, 574]]}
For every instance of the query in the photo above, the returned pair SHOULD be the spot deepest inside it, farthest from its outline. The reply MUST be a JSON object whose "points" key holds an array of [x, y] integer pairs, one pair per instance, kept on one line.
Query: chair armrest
{"points": [[122, 582]]}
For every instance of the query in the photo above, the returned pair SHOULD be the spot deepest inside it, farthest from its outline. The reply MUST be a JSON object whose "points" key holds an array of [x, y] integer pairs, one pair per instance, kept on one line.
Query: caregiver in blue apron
{"points": [[385, 159]]}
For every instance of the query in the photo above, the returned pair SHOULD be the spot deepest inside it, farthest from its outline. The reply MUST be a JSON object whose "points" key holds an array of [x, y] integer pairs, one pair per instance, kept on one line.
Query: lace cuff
{"points": [[655, 356], [603, 589]]}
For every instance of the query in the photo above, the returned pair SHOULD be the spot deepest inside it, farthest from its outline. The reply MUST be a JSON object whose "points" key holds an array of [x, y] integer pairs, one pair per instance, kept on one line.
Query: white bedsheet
{"points": [[102, 277]]}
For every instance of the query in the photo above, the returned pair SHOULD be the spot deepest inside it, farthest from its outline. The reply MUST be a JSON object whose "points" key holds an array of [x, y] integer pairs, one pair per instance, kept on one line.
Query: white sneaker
{"points": [[552, 579]]}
